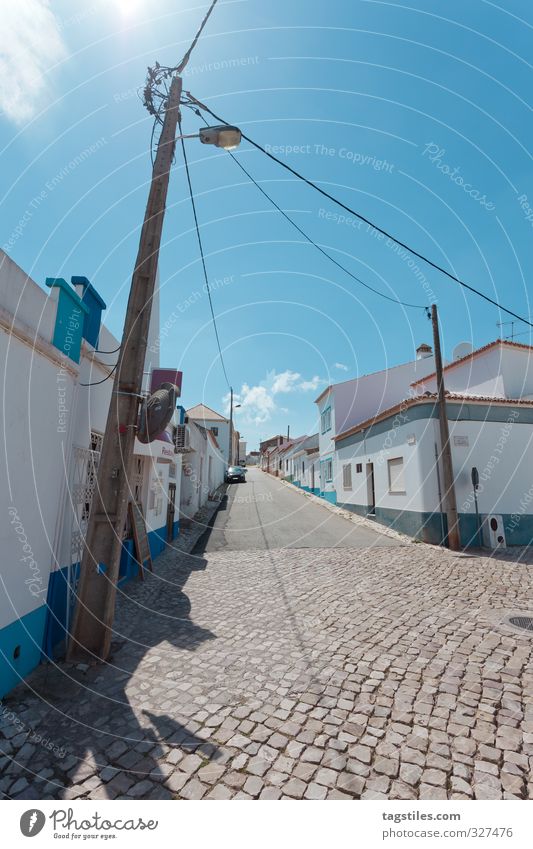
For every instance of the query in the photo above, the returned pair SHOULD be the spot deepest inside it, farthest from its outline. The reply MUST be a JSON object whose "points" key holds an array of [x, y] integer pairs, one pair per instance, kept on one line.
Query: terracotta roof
{"points": [[497, 342], [423, 399], [202, 412]]}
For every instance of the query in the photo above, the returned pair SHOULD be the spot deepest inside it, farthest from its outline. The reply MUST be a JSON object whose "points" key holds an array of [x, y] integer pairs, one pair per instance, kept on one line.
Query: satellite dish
{"points": [[463, 349], [156, 412]]}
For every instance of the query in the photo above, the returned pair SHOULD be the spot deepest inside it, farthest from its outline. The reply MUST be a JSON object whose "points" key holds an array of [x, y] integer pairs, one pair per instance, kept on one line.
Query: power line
{"points": [[114, 351], [98, 382], [367, 220], [153, 98], [187, 56], [208, 287], [312, 242]]}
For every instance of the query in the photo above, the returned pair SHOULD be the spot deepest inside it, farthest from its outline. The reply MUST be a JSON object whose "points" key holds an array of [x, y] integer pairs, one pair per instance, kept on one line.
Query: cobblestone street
{"points": [[345, 673]]}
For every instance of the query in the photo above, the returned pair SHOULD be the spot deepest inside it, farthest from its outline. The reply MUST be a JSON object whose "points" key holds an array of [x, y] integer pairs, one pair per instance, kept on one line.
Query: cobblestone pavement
{"points": [[301, 673]]}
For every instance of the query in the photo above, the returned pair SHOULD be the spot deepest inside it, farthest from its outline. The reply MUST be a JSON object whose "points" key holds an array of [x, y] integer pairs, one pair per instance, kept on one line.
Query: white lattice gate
{"points": [[83, 484]]}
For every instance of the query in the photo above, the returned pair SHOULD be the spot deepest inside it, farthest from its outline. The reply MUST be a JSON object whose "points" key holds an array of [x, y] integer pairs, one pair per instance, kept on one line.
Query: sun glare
{"points": [[128, 7]]}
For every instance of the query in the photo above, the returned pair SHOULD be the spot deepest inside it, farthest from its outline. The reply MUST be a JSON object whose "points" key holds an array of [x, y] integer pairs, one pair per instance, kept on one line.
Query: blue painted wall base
{"points": [[433, 527], [41, 635], [20, 648]]}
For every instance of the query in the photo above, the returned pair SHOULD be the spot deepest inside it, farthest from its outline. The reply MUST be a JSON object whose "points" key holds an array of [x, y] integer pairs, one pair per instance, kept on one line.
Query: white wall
{"points": [[360, 399], [501, 372], [357, 400], [326, 445], [501, 451], [197, 483], [414, 442], [31, 471], [223, 434]]}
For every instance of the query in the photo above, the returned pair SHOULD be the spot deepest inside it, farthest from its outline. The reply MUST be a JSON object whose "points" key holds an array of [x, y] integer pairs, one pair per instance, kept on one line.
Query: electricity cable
{"points": [[368, 221]]}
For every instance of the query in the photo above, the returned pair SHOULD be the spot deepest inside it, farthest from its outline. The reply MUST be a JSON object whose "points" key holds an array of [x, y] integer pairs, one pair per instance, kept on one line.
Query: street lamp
{"points": [[224, 136]]}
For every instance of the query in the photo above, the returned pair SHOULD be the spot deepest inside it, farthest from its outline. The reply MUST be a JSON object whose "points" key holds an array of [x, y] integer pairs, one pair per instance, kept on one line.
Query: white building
{"points": [[286, 455], [242, 452], [342, 405], [268, 451], [306, 465], [203, 469], [386, 465], [55, 401], [216, 423]]}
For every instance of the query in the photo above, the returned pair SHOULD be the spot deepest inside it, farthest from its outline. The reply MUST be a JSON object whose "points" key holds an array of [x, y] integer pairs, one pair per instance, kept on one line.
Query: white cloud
{"points": [[311, 385], [30, 41], [341, 366], [286, 381], [259, 403]]}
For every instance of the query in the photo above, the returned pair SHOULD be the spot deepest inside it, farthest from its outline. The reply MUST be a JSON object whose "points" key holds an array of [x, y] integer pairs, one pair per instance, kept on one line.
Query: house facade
{"points": [[216, 423], [203, 469], [342, 405], [387, 465], [266, 449], [57, 389], [287, 457], [306, 465]]}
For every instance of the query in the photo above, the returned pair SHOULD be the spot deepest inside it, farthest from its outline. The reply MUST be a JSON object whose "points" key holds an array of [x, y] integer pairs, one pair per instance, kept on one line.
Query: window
{"points": [[396, 480], [347, 476], [214, 431], [325, 420], [328, 469], [358, 468]]}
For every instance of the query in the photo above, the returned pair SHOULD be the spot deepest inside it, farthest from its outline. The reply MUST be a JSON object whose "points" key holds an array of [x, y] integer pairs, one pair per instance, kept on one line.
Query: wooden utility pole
{"points": [[230, 446], [92, 627], [454, 541]]}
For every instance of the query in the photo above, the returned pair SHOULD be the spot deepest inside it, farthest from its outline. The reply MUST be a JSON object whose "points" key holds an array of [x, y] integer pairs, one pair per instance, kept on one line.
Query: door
{"points": [[371, 492], [171, 511]]}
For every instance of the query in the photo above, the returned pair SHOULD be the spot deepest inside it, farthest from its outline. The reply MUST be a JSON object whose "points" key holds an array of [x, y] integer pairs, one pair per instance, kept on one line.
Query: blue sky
{"points": [[419, 119]]}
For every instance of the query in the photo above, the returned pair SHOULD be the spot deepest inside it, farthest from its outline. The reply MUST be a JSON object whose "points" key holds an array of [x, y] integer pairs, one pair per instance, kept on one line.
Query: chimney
{"points": [[424, 351]]}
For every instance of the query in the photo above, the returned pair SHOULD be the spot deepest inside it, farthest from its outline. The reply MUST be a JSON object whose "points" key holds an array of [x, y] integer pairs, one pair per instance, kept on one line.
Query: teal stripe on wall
{"points": [[25, 638], [456, 412]]}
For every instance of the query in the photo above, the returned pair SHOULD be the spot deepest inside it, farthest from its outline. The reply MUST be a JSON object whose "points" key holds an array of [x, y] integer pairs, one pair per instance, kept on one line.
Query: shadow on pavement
{"points": [[110, 727]]}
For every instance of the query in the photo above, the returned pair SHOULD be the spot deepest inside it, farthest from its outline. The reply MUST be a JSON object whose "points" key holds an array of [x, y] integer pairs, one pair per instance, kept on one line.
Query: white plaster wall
{"points": [[517, 367], [222, 437], [193, 472], [503, 456], [218, 469], [421, 491], [31, 470], [25, 299], [502, 372], [326, 445], [360, 399], [502, 453]]}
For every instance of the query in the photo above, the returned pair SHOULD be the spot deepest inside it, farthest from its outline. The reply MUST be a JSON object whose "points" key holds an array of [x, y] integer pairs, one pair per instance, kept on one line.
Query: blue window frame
{"points": [[327, 469], [325, 420]]}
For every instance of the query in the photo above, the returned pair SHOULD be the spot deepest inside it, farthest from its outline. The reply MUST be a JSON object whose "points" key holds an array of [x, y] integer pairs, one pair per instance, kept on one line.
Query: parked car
{"points": [[235, 474]]}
